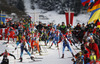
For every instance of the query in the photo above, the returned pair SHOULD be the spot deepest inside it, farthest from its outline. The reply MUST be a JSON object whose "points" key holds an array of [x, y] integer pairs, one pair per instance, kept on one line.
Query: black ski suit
{"points": [[5, 60]]}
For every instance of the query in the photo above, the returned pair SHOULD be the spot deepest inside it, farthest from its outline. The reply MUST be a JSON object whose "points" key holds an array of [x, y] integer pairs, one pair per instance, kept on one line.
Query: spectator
{"points": [[93, 46]]}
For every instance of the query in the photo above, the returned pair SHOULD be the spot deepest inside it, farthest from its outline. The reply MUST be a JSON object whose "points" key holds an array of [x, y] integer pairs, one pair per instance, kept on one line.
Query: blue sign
{"points": [[2, 18]]}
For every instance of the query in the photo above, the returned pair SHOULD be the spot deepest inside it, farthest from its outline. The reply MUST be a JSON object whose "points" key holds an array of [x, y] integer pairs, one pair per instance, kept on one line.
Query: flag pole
{"points": [[69, 15], [1, 17], [69, 10]]}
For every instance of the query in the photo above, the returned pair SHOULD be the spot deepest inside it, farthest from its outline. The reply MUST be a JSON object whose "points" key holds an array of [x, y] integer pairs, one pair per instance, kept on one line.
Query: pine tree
{"points": [[46, 4], [61, 6], [20, 5], [76, 6]]}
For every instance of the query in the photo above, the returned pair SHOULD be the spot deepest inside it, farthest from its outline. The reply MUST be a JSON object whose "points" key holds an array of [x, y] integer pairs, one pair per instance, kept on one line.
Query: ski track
{"points": [[50, 57]]}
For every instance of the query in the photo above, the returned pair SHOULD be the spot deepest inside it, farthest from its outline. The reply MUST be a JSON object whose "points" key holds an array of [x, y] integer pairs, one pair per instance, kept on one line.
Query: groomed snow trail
{"points": [[50, 57]]}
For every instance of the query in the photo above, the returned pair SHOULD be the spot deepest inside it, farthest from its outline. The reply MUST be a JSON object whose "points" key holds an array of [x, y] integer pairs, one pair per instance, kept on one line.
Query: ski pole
{"points": [[58, 51], [58, 46], [14, 61], [14, 50], [44, 49], [17, 52], [74, 49], [70, 45]]}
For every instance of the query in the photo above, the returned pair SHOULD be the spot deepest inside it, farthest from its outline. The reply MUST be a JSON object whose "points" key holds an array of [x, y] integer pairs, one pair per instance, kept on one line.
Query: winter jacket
{"points": [[63, 29], [94, 47]]}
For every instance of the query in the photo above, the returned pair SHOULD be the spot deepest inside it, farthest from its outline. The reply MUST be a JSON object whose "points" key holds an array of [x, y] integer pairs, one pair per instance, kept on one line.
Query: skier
{"points": [[63, 28], [56, 37], [35, 42], [51, 34], [66, 43], [70, 39], [11, 33], [24, 47], [44, 35], [39, 27], [5, 57]]}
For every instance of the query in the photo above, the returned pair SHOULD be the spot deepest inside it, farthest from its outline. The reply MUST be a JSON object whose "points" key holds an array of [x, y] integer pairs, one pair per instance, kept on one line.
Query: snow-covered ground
{"points": [[51, 56]]}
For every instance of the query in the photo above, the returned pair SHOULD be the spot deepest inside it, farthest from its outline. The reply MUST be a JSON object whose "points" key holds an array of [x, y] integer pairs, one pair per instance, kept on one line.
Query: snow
{"points": [[50, 57], [53, 16]]}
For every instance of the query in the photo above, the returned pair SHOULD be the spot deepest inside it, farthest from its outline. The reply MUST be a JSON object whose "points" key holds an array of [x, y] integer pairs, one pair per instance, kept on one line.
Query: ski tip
{"points": [[33, 59]]}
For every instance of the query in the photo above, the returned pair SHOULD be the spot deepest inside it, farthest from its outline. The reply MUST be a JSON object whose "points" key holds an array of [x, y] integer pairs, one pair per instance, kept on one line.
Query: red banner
{"points": [[71, 18], [67, 18]]}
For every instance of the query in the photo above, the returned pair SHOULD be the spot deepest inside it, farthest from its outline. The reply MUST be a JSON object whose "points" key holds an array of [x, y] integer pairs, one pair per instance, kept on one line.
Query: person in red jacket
{"points": [[94, 46], [11, 33]]}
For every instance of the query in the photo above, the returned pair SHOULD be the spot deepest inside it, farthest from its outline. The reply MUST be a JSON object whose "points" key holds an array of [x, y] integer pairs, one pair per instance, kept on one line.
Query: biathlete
{"points": [[24, 47], [5, 57], [35, 41]]}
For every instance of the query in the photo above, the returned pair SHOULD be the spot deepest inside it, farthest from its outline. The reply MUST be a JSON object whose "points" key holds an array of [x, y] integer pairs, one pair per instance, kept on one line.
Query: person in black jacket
{"points": [[45, 27], [39, 27], [5, 57], [15, 25]]}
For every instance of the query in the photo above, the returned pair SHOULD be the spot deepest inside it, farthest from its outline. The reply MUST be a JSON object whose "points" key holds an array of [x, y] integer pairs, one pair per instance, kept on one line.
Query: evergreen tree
{"points": [[46, 4], [20, 5]]}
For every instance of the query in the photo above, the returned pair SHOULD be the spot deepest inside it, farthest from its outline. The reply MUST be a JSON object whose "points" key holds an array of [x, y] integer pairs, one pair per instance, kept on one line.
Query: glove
{"points": [[71, 44], [30, 48], [14, 57], [15, 48]]}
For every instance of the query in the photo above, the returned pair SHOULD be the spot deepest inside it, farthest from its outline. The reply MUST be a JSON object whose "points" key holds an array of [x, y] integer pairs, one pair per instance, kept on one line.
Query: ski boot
{"points": [[32, 52], [77, 48], [50, 46], [62, 56], [21, 59], [40, 53], [32, 58], [45, 44], [56, 45], [71, 44], [72, 54]]}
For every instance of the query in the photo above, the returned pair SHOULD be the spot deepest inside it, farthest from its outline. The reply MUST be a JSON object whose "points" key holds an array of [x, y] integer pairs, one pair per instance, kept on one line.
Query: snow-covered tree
{"points": [[46, 4], [20, 5]]}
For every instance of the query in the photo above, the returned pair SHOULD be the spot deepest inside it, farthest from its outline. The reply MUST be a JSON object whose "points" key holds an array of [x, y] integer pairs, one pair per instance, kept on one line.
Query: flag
{"points": [[95, 5], [93, 12], [91, 1], [95, 21], [67, 18], [71, 18], [95, 16], [84, 2], [2, 18]]}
